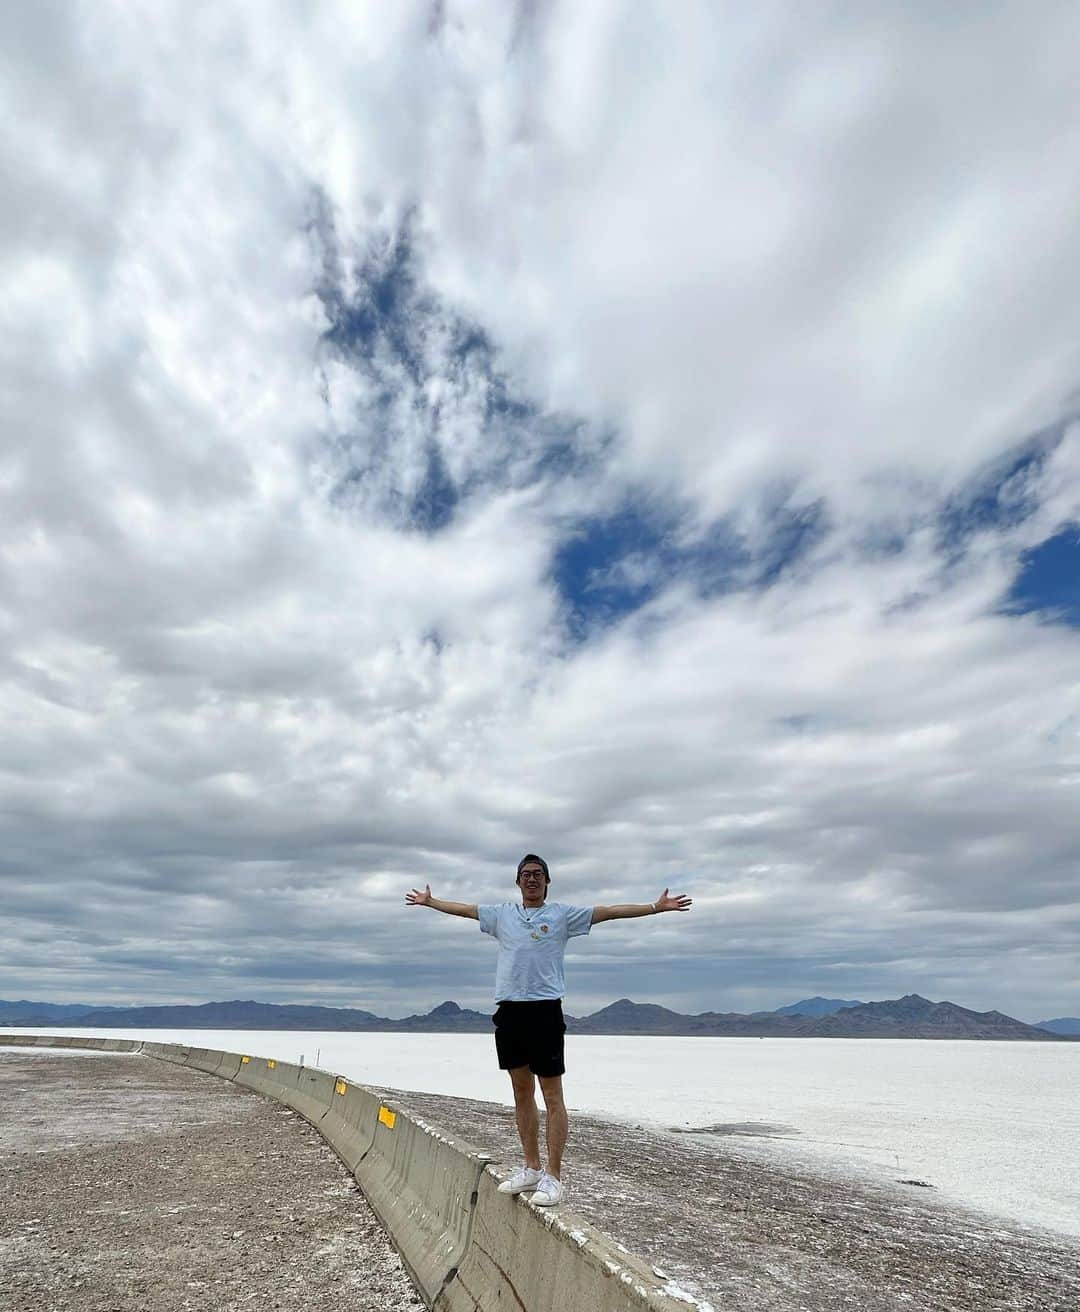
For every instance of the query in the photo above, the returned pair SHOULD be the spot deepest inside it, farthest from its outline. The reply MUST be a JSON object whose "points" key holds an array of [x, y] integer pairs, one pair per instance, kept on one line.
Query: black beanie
{"points": [[531, 856]]}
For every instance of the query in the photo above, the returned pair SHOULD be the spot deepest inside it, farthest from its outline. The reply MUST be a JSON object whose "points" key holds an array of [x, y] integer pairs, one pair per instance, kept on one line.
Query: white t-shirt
{"points": [[532, 941]]}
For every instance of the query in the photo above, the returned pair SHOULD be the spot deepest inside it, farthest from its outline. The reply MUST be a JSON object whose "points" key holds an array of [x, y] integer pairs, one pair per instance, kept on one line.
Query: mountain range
{"points": [[45, 1013], [1062, 1025], [817, 1006], [910, 1017]]}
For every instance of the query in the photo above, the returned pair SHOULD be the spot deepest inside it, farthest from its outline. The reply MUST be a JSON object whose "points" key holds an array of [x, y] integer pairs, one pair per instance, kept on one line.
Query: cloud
{"points": [[439, 433]]}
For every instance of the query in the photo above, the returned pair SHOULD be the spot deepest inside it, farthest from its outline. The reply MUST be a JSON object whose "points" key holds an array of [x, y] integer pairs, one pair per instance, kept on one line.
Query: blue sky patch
{"points": [[999, 498], [1049, 579], [431, 375], [609, 566], [436, 499]]}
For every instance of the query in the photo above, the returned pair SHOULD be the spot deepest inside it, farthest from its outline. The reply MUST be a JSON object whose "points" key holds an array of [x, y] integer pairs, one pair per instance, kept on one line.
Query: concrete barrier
{"points": [[261, 1074], [467, 1247], [546, 1260], [305, 1089], [350, 1123], [422, 1185], [313, 1093], [66, 1041], [206, 1060], [229, 1066], [176, 1053], [108, 1045]]}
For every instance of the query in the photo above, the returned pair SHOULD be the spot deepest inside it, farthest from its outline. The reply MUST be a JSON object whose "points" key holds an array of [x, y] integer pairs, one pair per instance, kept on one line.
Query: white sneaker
{"points": [[548, 1191], [525, 1177]]}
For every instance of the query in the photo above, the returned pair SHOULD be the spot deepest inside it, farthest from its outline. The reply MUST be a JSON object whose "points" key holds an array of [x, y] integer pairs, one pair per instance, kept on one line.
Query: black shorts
{"points": [[530, 1034]]}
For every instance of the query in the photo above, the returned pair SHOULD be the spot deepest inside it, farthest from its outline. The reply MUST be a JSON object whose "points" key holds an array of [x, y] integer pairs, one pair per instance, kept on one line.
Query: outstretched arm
{"points": [[415, 898], [628, 910]]}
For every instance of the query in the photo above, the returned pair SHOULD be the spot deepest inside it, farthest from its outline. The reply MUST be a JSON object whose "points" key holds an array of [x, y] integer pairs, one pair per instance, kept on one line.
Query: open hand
{"points": [[678, 902], [417, 899]]}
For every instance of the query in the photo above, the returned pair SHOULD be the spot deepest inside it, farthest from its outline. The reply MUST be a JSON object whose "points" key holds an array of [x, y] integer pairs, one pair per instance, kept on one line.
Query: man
{"points": [[529, 986]]}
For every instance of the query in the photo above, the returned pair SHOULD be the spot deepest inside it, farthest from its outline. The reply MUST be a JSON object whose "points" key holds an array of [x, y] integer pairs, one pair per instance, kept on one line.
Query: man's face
{"points": [[532, 882]]}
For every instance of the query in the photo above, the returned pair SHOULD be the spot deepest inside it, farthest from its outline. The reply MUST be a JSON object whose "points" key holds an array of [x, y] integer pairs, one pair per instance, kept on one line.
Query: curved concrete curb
{"points": [[62, 1041], [309, 1092], [546, 1261], [467, 1247], [422, 1186], [349, 1125], [260, 1074]]}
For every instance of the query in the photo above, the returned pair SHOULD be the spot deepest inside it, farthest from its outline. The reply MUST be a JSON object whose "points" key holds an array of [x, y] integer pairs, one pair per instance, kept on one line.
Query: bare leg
{"points": [[528, 1117], [557, 1123]]}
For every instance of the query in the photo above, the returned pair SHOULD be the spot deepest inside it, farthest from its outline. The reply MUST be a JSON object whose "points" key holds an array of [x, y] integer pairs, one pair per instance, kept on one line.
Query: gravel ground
{"points": [[131, 1184], [749, 1236], [128, 1185]]}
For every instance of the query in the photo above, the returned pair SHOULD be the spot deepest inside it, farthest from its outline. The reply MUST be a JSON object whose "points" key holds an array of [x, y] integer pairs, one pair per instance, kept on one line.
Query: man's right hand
{"points": [[415, 898]]}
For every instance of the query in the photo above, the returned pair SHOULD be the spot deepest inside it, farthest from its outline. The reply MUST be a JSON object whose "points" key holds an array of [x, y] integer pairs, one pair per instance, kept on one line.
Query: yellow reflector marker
{"points": [[270, 1063], [387, 1117], [340, 1086], [244, 1061]]}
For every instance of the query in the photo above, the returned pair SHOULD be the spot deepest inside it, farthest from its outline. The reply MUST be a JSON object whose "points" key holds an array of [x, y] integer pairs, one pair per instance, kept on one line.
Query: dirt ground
{"points": [[745, 1236], [128, 1185], [131, 1184]]}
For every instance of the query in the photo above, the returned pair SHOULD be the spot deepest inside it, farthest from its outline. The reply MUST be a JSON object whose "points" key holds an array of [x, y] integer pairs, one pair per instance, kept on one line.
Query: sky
{"points": [[644, 435]]}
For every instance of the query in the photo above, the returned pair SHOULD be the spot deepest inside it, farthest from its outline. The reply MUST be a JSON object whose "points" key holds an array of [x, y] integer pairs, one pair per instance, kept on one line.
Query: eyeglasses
{"points": [[531, 874]]}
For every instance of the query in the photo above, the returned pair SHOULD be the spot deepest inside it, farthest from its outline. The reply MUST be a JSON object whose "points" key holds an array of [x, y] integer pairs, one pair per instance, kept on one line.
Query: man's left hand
{"points": [[673, 902]]}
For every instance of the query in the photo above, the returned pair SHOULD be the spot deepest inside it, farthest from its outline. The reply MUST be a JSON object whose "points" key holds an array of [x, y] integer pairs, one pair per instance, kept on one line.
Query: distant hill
{"points": [[234, 1016], [816, 1007], [910, 1017], [913, 1017], [1063, 1025], [626, 1017], [447, 1016], [44, 1013]]}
